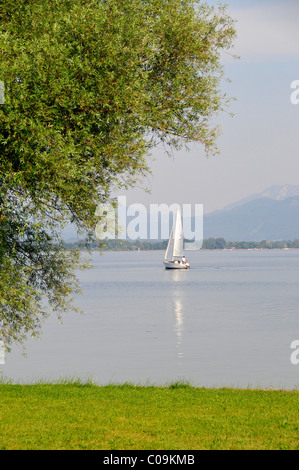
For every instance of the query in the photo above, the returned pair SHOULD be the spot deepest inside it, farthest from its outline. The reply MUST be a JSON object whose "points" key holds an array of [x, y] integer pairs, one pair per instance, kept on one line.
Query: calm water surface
{"points": [[229, 321]]}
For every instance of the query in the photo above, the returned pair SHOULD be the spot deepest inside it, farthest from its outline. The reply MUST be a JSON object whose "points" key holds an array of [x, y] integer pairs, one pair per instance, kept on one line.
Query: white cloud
{"points": [[267, 32]]}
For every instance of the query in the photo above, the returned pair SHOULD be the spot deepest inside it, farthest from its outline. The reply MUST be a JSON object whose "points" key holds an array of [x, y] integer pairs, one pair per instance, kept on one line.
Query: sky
{"points": [[259, 145]]}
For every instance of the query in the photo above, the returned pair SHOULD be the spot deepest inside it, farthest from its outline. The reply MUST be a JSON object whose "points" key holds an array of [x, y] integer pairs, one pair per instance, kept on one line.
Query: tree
{"points": [[90, 88], [220, 243]]}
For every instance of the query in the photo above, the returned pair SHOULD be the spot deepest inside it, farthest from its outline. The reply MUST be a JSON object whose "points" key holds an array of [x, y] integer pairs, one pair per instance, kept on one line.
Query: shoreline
{"points": [[201, 249], [6, 381], [99, 250]]}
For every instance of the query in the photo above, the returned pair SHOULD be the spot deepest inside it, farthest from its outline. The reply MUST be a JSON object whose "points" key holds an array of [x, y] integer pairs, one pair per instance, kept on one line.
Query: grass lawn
{"points": [[178, 417]]}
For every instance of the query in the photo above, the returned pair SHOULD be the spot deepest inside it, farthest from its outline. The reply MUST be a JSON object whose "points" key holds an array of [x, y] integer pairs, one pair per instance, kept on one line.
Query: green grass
{"points": [[86, 416]]}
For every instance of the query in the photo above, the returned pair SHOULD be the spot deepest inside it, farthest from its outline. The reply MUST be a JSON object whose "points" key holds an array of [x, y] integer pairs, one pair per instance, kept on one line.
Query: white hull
{"points": [[175, 265]]}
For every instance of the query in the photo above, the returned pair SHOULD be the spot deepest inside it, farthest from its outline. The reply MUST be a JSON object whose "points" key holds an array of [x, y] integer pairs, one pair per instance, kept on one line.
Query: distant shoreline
{"points": [[202, 249], [209, 244]]}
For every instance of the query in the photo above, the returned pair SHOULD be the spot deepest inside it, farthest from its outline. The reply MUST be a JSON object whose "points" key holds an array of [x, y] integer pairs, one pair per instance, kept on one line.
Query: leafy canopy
{"points": [[90, 88]]}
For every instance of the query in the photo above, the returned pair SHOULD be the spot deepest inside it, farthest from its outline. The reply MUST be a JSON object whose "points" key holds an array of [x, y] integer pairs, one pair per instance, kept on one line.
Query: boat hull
{"points": [[175, 265]]}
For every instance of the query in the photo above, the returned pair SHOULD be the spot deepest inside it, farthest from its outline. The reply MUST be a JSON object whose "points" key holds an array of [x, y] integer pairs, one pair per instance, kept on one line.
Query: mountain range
{"points": [[270, 215]]}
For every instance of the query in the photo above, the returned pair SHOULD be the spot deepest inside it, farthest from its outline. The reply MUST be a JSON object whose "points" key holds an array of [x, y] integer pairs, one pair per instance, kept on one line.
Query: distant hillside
{"points": [[259, 219], [270, 215], [274, 192]]}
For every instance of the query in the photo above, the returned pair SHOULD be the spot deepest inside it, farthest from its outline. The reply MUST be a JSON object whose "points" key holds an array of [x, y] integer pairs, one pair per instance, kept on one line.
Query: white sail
{"points": [[174, 255], [169, 249], [175, 247], [178, 248]]}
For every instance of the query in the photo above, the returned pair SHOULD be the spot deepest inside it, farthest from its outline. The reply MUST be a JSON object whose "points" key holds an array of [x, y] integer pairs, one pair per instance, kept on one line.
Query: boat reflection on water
{"points": [[179, 327], [177, 276]]}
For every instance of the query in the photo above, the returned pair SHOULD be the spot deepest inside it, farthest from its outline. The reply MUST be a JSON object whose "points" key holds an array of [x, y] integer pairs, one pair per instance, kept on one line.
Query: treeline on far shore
{"points": [[208, 244]]}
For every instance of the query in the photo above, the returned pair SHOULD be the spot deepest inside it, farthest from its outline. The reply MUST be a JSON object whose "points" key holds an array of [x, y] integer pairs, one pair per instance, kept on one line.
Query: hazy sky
{"points": [[259, 146]]}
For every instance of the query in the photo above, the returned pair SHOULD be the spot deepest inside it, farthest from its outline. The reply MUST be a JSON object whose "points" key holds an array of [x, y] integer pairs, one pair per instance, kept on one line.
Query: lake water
{"points": [[228, 321]]}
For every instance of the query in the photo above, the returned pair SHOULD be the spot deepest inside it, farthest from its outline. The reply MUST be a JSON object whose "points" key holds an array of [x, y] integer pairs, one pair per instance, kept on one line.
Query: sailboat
{"points": [[174, 256]]}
